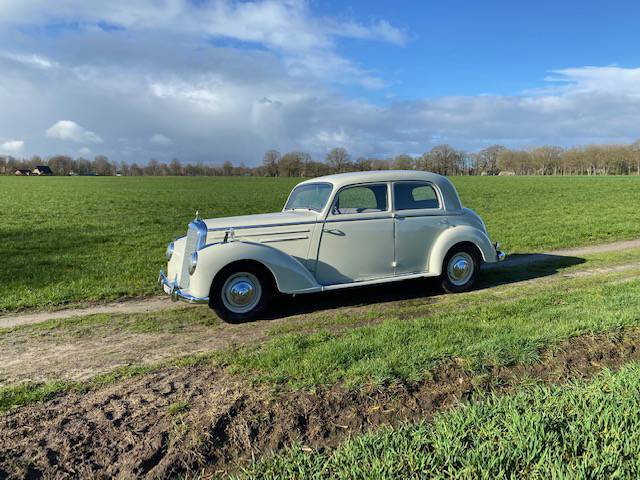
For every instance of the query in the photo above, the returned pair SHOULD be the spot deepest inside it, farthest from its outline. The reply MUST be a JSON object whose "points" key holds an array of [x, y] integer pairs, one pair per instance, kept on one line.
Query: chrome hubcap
{"points": [[460, 268], [241, 292]]}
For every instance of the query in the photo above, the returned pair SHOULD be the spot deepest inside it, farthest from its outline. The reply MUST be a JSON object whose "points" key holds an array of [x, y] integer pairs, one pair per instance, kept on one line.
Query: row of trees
{"points": [[443, 159]]}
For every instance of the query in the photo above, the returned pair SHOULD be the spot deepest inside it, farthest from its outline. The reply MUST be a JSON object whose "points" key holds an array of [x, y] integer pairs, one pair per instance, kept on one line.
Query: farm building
{"points": [[42, 170], [23, 172]]}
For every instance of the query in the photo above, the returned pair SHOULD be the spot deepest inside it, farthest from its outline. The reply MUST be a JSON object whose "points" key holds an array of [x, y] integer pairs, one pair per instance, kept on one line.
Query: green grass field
{"points": [[81, 239], [586, 430]]}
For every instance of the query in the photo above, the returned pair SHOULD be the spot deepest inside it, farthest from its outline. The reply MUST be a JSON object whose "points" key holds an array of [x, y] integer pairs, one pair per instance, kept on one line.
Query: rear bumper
{"points": [[173, 290], [500, 255]]}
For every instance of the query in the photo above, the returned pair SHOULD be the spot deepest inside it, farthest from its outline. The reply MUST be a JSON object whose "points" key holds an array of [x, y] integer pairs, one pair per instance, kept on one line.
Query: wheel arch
{"points": [[288, 273], [238, 265], [457, 237]]}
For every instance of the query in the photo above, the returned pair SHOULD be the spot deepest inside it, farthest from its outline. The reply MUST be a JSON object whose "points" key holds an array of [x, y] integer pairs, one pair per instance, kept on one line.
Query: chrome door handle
{"points": [[444, 222], [335, 231]]}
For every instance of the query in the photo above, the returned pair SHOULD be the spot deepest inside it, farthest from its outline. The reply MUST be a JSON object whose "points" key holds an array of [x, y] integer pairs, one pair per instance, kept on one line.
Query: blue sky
{"points": [[503, 47], [221, 79]]}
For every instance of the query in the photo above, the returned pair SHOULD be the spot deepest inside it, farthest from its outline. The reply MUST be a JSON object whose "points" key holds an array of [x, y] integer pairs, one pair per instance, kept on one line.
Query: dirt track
{"points": [[77, 352], [162, 302], [134, 428]]}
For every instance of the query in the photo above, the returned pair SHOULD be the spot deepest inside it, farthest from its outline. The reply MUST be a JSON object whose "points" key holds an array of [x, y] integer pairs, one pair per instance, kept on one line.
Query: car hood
{"points": [[263, 220]]}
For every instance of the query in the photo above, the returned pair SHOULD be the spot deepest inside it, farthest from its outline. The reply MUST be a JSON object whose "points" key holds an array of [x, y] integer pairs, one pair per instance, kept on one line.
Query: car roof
{"points": [[450, 195]]}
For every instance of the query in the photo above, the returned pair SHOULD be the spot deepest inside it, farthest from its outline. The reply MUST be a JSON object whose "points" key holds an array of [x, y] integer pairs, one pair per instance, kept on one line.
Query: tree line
{"points": [[443, 159]]}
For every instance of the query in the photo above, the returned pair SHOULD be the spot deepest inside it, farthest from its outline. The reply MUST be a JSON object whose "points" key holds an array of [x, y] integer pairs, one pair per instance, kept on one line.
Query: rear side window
{"points": [[361, 199], [414, 196]]}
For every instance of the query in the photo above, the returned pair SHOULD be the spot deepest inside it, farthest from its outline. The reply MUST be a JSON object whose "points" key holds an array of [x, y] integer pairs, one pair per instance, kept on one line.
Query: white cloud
{"points": [[12, 146], [85, 151], [380, 30], [228, 80], [31, 60], [160, 139], [287, 27], [70, 130]]}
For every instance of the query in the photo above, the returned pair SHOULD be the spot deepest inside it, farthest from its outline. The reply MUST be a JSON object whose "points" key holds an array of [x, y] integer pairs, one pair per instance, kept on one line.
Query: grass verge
{"points": [[584, 430], [400, 349]]}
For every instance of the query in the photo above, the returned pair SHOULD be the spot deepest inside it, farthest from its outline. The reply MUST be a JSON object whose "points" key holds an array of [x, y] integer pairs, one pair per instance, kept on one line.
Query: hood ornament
{"points": [[197, 215], [229, 235]]}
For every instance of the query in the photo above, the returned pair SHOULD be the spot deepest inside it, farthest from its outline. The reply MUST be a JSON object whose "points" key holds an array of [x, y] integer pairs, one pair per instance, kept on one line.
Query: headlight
{"points": [[193, 262], [169, 252]]}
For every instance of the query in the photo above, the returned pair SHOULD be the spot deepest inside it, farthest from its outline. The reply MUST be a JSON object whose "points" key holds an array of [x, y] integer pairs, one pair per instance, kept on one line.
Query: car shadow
{"points": [[516, 268]]}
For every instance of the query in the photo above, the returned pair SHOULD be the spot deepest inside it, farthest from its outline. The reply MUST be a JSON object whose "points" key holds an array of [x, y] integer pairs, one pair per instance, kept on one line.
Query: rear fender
{"points": [[290, 275], [451, 237]]}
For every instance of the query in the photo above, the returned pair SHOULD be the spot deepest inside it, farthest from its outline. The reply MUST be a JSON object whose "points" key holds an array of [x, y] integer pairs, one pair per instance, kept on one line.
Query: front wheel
{"points": [[460, 269], [240, 294]]}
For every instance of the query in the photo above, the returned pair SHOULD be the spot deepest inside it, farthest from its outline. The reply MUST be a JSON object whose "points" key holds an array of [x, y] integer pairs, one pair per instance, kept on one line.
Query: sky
{"points": [[217, 80]]}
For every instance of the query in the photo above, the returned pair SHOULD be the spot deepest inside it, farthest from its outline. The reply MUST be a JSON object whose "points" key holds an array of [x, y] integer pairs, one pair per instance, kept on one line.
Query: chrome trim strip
{"points": [[271, 225], [222, 229], [336, 219], [175, 293], [286, 239], [284, 232], [437, 213], [363, 283]]}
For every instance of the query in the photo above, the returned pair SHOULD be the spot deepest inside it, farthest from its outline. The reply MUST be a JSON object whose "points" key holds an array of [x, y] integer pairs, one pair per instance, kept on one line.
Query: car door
{"points": [[357, 241], [419, 220]]}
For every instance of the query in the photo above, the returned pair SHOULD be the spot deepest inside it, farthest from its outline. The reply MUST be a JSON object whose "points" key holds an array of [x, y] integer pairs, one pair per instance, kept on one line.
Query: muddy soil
{"points": [[189, 419]]}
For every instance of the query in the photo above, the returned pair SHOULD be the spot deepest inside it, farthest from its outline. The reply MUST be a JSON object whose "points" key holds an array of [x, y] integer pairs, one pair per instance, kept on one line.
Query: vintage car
{"points": [[338, 231]]}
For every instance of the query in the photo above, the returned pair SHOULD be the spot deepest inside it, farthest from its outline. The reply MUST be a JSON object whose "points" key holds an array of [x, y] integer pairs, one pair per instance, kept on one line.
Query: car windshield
{"points": [[310, 196]]}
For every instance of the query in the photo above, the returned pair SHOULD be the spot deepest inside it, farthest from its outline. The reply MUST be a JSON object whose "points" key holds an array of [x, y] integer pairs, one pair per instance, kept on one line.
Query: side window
{"points": [[361, 199], [414, 196]]}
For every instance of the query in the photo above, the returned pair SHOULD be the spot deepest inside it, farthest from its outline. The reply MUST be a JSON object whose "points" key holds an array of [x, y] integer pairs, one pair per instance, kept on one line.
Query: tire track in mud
{"points": [[133, 429]]}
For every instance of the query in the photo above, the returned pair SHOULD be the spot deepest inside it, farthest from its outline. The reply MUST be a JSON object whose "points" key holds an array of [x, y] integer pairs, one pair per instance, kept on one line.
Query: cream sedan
{"points": [[338, 231]]}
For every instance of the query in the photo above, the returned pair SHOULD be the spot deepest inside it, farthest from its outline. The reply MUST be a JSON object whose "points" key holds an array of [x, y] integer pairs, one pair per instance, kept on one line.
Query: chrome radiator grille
{"points": [[191, 246]]}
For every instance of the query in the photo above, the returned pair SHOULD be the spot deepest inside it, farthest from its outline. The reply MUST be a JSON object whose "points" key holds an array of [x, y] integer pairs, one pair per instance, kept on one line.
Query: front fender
{"points": [[454, 235], [290, 275]]}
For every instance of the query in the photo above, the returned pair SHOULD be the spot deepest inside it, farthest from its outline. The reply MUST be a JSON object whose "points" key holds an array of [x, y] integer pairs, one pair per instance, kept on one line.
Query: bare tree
{"points": [[291, 164], [227, 169], [102, 166], [270, 162], [363, 164], [175, 167], [339, 160], [61, 164], [635, 150], [403, 162]]}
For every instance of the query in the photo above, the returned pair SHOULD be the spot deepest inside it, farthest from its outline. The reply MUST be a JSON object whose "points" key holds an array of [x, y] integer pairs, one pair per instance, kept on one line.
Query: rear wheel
{"points": [[240, 293], [460, 269]]}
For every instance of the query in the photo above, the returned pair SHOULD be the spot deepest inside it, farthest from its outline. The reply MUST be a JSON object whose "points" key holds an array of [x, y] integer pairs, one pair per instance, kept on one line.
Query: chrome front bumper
{"points": [[173, 290], [500, 255]]}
